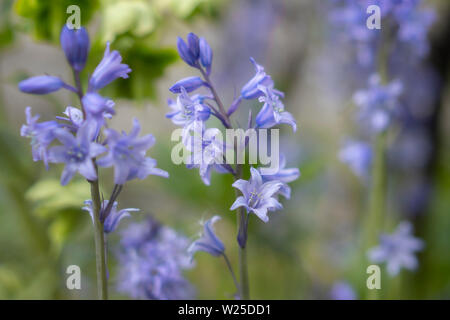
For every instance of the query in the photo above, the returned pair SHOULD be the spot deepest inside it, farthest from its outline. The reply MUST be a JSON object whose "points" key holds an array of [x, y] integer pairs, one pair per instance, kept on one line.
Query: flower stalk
{"points": [[100, 253]]}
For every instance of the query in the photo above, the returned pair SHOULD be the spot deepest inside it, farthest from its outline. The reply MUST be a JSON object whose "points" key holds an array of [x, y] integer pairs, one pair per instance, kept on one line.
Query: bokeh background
{"points": [[306, 248]]}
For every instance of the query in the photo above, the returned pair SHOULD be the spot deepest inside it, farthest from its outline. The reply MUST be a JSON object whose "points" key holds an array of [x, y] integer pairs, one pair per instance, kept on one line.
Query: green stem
{"points": [[230, 268], [100, 255], [377, 199], [241, 215]]}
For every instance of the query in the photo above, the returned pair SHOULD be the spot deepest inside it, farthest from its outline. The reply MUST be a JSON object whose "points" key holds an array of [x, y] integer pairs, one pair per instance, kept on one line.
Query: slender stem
{"points": [[222, 111], [230, 268], [377, 201], [242, 227], [99, 237], [100, 254]]}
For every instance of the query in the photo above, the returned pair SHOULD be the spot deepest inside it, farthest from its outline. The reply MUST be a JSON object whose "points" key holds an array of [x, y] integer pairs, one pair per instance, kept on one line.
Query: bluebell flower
{"points": [[126, 152], [75, 44], [272, 112], [189, 84], [378, 102], [152, 259], [206, 55], [358, 156], [251, 89], [189, 52], [257, 196], [74, 117], [41, 84], [283, 175], [41, 134], [111, 219], [187, 109], [208, 241], [97, 108], [108, 70], [194, 45], [207, 149], [397, 249], [342, 291], [77, 152]]}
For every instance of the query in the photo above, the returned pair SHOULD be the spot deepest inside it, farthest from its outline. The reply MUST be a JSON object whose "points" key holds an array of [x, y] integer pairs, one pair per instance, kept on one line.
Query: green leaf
{"points": [[50, 198]]}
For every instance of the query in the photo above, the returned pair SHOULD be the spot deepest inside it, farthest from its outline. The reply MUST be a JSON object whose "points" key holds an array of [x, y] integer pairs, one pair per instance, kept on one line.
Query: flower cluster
{"points": [[79, 138], [192, 113], [411, 20], [152, 258]]}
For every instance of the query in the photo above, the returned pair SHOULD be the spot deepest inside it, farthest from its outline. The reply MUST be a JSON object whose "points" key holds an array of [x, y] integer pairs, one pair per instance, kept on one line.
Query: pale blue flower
{"points": [[272, 112], [342, 291], [77, 152], [108, 70], [378, 103], [283, 175], [109, 219], [208, 242], [207, 149], [358, 156], [257, 196], [397, 249], [41, 135], [74, 118], [251, 89], [98, 108], [126, 152], [187, 109]]}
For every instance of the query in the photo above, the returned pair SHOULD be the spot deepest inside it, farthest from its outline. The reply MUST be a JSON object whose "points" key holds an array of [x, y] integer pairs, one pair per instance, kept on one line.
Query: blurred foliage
{"points": [[134, 27]]}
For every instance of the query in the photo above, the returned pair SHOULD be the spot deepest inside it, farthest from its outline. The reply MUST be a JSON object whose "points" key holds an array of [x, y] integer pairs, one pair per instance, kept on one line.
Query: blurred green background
{"points": [[304, 249]]}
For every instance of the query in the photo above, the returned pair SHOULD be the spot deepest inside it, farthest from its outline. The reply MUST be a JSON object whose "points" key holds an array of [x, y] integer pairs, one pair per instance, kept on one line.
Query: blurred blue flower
{"points": [[272, 112], [75, 44], [342, 291], [41, 84], [108, 70], [414, 23], [152, 259], [397, 249], [76, 152], [109, 219], [189, 84], [358, 156], [257, 196], [378, 102], [283, 175], [208, 241], [41, 134], [126, 152]]}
